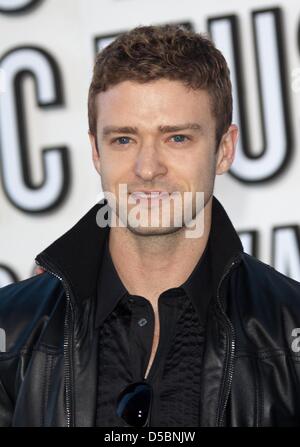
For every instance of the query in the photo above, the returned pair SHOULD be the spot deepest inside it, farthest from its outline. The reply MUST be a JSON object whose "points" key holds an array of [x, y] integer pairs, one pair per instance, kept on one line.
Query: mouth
{"points": [[149, 194], [149, 198]]}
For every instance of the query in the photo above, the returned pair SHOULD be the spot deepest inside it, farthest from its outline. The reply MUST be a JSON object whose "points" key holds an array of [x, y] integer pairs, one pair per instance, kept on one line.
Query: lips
{"points": [[149, 194], [147, 197]]}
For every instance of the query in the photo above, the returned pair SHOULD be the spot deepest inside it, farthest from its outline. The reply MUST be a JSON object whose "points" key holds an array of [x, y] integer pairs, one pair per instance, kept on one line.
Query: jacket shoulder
{"points": [[267, 306], [25, 306], [267, 279]]}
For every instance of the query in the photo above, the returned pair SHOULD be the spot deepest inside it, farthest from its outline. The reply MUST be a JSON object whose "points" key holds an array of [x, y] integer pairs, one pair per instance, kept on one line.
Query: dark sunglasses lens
{"points": [[134, 404]]}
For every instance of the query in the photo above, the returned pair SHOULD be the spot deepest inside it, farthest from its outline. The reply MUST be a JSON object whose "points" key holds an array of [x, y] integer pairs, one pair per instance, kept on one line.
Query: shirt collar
{"points": [[110, 287], [197, 287]]}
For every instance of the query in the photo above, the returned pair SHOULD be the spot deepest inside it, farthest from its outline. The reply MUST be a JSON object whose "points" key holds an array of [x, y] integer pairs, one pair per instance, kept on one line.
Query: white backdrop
{"points": [[48, 181]]}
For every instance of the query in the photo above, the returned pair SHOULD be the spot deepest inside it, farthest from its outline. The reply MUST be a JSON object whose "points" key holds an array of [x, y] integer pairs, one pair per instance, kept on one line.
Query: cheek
{"points": [[202, 176], [114, 174]]}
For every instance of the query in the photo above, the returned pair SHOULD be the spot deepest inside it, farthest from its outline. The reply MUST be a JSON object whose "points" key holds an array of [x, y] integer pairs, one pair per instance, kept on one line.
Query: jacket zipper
{"points": [[68, 346], [229, 357]]}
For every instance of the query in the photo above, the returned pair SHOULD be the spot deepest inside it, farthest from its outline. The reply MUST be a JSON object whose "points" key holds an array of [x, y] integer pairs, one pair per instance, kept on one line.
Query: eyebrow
{"points": [[107, 130], [186, 126]]}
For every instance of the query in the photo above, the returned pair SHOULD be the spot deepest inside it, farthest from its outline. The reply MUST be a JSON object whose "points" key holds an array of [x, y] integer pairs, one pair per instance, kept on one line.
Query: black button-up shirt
{"points": [[126, 324]]}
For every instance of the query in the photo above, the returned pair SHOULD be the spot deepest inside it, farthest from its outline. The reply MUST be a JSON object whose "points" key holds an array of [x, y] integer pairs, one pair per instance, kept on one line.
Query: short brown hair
{"points": [[149, 53]]}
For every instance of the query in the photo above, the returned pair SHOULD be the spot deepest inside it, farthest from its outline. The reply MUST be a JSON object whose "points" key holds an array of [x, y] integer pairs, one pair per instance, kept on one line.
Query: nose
{"points": [[149, 163]]}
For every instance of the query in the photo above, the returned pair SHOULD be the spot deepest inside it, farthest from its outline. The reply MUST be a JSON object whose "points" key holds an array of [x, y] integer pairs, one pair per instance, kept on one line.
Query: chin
{"points": [[153, 231]]}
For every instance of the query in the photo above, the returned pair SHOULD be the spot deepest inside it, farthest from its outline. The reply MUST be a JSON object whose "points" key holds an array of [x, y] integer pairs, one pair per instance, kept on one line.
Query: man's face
{"points": [[158, 136]]}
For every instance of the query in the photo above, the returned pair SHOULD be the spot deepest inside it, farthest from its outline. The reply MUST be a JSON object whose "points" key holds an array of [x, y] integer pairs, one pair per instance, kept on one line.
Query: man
{"points": [[142, 324]]}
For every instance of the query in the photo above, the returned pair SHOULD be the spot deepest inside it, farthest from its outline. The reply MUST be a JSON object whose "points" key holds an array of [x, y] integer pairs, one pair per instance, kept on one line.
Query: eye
{"points": [[121, 140], [179, 138]]}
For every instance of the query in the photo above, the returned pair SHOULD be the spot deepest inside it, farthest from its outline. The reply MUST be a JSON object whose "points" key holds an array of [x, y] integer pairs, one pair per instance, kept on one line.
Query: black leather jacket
{"points": [[251, 367]]}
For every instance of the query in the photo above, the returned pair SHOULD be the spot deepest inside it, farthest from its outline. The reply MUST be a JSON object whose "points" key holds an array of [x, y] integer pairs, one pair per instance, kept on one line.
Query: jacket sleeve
{"points": [[25, 307], [6, 407]]}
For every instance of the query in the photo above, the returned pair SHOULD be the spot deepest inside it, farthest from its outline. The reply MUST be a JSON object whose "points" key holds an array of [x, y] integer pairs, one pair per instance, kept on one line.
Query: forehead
{"points": [[160, 101]]}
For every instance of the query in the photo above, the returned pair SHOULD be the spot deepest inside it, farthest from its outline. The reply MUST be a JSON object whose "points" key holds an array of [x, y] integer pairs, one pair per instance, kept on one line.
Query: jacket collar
{"points": [[225, 243], [76, 256]]}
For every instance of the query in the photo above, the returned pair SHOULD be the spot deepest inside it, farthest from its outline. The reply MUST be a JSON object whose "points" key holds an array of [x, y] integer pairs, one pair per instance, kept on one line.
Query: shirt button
{"points": [[142, 322]]}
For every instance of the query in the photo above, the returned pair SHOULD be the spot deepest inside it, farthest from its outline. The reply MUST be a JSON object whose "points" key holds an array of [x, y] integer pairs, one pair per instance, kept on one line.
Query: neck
{"points": [[148, 265]]}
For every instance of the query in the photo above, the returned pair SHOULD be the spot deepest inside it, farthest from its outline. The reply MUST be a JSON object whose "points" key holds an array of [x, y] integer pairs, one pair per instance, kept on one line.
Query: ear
{"points": [[226, 150], [95, 153]]}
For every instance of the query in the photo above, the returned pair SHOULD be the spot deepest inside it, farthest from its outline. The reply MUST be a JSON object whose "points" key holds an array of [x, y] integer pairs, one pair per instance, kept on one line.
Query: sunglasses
{"points": [[134, 404]]}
